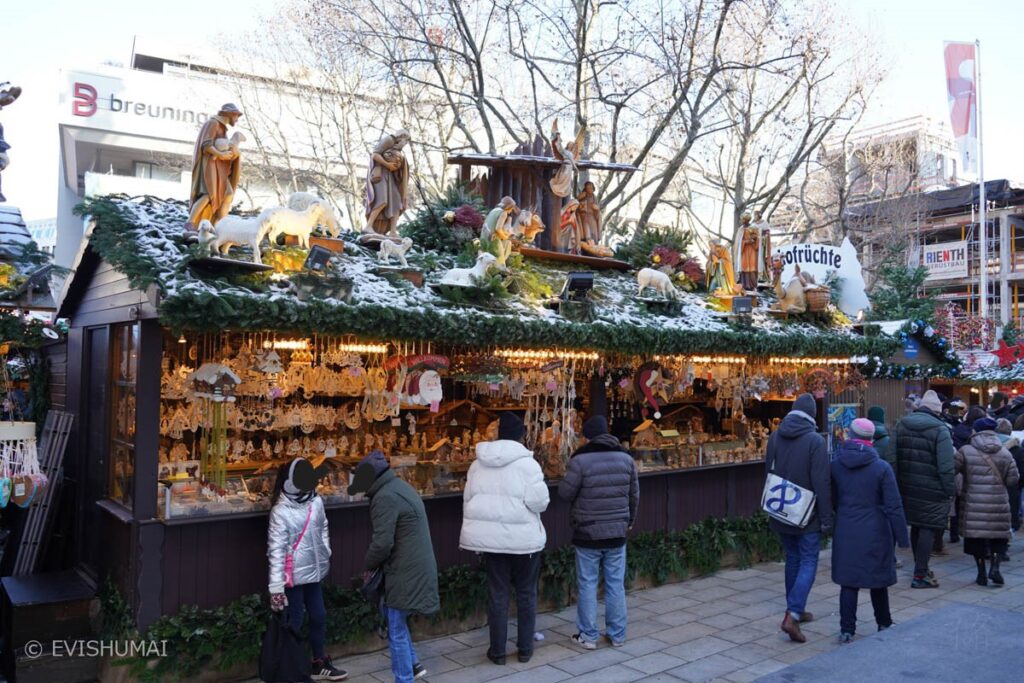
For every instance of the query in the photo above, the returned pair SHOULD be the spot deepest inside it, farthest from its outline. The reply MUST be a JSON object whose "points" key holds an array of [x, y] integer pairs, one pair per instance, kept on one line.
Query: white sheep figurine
{"points": [[470, 277], [300, 201], [285, 221], [235, 231], [656, 280], [389, 248]]}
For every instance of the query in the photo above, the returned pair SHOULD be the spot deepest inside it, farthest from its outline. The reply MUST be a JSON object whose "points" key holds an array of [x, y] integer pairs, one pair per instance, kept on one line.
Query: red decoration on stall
{"points": [[1008, 355]]}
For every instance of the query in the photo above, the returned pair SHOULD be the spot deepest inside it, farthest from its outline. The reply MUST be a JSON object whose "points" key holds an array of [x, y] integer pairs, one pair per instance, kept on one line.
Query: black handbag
{"points": [[373, 586], [283, 656]]}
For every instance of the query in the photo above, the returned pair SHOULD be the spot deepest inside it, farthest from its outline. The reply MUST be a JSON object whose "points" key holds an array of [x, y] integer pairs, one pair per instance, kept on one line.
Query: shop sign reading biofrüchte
{"points": [[945, 260]]}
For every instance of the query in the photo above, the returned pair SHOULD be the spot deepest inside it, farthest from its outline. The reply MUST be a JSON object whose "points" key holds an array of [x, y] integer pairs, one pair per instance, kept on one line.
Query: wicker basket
{"points": [[817, 299]]}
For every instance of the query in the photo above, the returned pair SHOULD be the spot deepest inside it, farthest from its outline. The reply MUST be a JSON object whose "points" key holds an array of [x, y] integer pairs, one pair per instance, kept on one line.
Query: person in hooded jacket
{"points": [[501, 505], [924, 470], [869, 520], [797, 453], [987, 469], [880, 439], [601, 484], [298, 527], [401, 548]]}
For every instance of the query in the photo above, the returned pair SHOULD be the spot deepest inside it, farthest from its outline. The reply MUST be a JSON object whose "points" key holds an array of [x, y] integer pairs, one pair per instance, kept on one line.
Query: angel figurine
{"points": [[569, 154]]}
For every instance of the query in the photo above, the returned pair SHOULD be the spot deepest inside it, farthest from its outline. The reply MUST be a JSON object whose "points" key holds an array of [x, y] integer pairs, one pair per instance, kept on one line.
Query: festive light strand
{"points": [[545, 354]]}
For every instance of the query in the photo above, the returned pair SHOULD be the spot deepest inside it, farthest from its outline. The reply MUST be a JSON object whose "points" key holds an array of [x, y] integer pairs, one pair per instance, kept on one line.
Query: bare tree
{"points": [[785, 111], [653, 81]]}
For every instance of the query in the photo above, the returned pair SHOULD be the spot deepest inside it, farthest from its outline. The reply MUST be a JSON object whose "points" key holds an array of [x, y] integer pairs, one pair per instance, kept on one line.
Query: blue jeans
{"points": [[308, 597], [588, 562], [403, 654], [801, 566]]}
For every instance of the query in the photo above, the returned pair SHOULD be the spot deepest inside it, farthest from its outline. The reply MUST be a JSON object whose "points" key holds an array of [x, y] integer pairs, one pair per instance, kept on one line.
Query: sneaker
{"points": [[324, 670], [924, 582], [418, 671], [577, 639], [614, 643], [899, 563], [845, 638]]}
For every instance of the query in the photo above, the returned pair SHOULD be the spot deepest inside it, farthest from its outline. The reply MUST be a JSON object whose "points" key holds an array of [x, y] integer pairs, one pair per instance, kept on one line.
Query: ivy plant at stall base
{"points": [[221, 638]]}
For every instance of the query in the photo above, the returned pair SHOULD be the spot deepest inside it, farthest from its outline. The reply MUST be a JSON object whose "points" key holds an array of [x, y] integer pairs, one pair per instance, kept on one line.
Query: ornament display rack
{"points": [[236, 406]]}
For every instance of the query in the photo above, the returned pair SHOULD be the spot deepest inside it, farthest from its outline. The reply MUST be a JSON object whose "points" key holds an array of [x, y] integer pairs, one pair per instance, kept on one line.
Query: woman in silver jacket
{"points": [[298, 528]]}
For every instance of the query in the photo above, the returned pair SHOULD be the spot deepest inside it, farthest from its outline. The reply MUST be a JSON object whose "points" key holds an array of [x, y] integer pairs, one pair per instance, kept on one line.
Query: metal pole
{"points": [[983, 232]]}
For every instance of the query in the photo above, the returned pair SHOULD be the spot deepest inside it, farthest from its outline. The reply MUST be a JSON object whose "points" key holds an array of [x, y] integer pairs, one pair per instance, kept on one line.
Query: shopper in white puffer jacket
{"points": [[505, 494]]}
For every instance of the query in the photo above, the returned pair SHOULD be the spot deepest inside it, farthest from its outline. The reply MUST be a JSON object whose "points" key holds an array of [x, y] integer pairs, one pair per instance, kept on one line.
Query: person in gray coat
{"points": [[797, 453], [986, 468], [602, 485]]}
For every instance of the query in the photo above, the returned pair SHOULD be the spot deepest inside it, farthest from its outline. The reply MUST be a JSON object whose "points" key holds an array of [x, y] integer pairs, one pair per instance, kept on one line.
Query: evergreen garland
{"points": [[116, 237], [949, 365], [205, 311]]}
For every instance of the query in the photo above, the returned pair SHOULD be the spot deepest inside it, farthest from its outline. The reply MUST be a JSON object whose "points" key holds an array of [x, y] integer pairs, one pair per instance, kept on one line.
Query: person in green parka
{"points": [[401, 547], [924, 469], [881, 439]]}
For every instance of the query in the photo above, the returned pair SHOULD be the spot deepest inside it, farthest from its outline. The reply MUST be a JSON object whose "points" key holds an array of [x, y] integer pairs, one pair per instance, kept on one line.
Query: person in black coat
{"points": [[601, 484], [797, 453], [869, 519]]}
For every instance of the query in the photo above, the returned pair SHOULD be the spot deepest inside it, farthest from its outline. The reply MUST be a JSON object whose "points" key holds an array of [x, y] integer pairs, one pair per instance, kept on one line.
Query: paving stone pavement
{"points": [[722, 628]]}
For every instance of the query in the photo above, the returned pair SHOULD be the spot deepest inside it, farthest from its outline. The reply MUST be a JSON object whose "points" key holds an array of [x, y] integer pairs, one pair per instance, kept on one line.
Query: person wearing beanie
{"points": [[880, 439], [987, 470], [602, 487], [298, 529], [923, 446], [401, 548], [869, 521], [797, 453], [501, 505]]}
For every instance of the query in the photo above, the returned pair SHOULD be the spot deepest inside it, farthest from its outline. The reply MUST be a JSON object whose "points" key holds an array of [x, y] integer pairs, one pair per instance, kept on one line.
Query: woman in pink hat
{"points": [[869, 520]]}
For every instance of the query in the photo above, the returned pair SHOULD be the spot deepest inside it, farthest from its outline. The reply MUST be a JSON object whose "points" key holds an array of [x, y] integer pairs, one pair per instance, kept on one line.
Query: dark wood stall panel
{"points": [[212, 562]]}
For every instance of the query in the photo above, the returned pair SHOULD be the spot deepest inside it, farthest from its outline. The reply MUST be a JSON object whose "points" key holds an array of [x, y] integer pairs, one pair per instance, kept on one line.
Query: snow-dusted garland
{"points": [[141, 238], [949, 365]]}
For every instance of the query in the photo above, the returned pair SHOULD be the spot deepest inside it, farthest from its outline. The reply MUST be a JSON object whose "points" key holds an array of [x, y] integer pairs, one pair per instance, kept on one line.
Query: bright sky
{"points": [[41, 36]]}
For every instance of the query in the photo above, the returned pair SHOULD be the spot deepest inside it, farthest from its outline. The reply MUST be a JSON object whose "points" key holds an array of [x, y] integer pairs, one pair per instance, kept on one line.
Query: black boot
{"points": [[993, 573], [982, 580]]}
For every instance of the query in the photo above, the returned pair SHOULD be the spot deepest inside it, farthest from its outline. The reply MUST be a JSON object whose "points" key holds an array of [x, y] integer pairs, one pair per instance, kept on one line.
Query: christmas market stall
{"points": [[194, 376]]}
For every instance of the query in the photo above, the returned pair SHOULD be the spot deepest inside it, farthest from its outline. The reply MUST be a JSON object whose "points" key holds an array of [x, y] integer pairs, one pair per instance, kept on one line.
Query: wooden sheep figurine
{"points": [[656, 280], [300, 201], [389, 248], [235, 231], [284, 221], [470, 277]]}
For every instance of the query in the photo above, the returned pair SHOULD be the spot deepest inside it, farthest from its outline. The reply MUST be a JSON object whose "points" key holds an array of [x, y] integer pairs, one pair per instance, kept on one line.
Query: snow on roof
{"points": [[155, 251]]}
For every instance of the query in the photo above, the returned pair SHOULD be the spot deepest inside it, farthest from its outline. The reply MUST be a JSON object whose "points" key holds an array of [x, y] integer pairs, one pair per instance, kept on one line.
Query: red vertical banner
{"points": [[962, 91]]}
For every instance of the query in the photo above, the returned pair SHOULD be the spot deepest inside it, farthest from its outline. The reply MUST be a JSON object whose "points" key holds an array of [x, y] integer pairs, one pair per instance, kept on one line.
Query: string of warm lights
{"points": [[809, 361], [303, 344], [724, 360], [287, 344], [544, 354], [362, 348]]}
